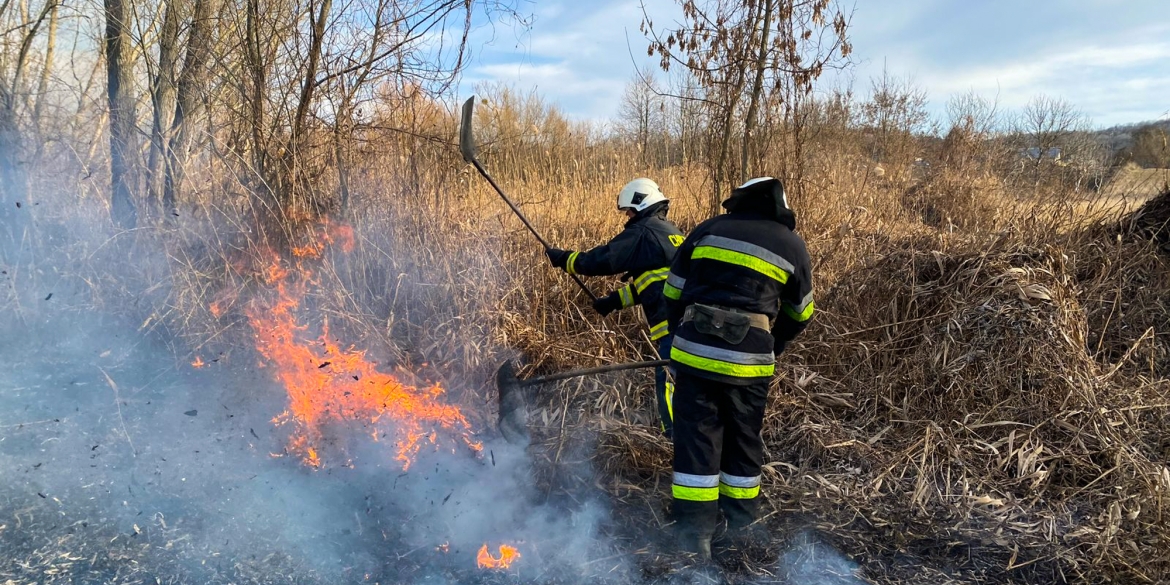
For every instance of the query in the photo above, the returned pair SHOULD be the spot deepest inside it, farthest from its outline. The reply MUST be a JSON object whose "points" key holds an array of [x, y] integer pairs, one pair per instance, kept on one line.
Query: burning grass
{"points": [[330, 384]]}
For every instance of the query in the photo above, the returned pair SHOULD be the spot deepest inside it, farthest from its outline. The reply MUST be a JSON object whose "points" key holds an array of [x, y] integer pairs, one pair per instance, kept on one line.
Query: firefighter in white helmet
{"points": [[642, 252]]}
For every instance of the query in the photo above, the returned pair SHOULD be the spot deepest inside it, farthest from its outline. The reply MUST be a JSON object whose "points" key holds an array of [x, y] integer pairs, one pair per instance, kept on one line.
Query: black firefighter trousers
{"points": [[718, 452]]}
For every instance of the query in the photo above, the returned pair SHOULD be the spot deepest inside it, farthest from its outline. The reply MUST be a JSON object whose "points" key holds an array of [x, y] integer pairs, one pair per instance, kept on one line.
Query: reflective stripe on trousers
{"points": [[739, 487], [664, 390], [695, 488]]}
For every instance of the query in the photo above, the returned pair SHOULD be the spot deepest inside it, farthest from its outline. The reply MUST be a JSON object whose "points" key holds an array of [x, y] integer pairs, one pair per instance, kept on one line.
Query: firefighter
{"points": [[643, 252], [739, 290]]}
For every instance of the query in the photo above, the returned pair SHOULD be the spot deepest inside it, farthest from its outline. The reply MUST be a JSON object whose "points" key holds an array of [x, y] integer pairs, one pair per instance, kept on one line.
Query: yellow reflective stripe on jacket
{"points": [[670, 292], [721, 367], [739, 493], [659, 331], [570, 266], [650, 277], [740, 259], [626, 296], [799, 314]]}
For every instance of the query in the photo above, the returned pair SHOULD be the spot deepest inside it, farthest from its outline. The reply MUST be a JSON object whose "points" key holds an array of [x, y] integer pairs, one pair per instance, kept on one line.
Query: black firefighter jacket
{"points": [[643, 251], [749, 259]]}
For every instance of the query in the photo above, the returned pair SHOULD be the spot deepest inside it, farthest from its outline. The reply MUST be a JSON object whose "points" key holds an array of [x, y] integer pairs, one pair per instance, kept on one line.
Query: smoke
{"points": [[104, 427], [119, 462], [808, 561]]}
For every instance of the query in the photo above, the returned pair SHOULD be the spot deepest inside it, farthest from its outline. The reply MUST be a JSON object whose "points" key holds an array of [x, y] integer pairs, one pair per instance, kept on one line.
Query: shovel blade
{"points": [[466, 137], [513, 405]]}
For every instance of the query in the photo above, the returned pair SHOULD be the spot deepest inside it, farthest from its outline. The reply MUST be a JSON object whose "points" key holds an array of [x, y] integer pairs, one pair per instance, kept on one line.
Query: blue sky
{"points": [[1110, 58]]}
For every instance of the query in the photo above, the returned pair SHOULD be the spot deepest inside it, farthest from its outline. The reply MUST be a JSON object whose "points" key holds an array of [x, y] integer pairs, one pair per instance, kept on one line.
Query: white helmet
{"points": [[639, 194]]}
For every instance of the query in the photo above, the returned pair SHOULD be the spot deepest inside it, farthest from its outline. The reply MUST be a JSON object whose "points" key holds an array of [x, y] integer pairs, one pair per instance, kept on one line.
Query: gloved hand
{"points": [[607, 304], [558, 257]]}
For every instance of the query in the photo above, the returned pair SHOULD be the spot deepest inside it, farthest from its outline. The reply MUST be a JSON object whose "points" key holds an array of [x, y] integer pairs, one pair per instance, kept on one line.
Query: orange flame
{"points": [[198, 363], [508, 555], [328, 384], [445, 547]]}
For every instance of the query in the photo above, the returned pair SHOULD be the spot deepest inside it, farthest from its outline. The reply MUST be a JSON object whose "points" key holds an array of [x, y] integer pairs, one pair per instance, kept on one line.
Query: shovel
{"points": [[467, 149], [514, 405]]}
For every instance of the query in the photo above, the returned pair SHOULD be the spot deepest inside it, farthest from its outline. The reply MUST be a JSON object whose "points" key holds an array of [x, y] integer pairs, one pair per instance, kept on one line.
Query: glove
{"points": [[607, 304], [558, 257]]}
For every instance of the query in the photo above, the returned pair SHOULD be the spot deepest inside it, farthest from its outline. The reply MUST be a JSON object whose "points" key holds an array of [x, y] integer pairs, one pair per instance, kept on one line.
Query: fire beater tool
{"points": [[513, 419], [467, 148]]}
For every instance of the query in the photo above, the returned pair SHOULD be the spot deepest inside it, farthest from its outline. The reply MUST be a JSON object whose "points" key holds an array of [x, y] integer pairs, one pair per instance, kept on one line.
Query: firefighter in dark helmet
{"points": [[739, 290], [642, 252]]}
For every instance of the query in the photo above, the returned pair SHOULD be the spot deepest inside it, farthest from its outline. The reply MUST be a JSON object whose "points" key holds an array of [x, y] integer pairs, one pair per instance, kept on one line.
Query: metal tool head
{"points": [[466, 137], [513, 404]]}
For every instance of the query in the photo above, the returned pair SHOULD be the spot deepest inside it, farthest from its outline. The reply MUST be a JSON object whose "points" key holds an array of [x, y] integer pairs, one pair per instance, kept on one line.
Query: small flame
{"points": [[443, 548], [508, 555], [198, 363]]}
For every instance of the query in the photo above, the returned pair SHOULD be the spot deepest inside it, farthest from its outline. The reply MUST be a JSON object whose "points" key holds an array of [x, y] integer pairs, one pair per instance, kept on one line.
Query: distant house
{"points": [[1034, 153]]}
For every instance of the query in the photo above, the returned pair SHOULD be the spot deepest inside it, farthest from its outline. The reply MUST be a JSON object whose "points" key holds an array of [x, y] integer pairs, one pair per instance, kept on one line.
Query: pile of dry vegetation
{"points": [[996, 412]]}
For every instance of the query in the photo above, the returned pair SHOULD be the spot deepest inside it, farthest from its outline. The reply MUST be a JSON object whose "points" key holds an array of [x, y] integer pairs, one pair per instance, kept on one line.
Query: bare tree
{"points": [[640, 117], [1048, 128], [123, 122], [761, 66], [163, 92], [1151, 147], [762, 51], [687, 119], [893, 117], [190, 96], [23, 28], [970, 139]]}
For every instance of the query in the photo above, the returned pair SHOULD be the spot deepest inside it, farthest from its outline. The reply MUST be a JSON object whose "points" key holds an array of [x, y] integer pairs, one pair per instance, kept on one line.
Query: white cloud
{"points": [[577, 54], [1110, 59], [1052, 67]]}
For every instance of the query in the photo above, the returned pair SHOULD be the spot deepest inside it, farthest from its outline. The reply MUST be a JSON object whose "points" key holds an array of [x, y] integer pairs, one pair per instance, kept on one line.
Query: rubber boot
{"points": [[698, 546], [695, 524]]}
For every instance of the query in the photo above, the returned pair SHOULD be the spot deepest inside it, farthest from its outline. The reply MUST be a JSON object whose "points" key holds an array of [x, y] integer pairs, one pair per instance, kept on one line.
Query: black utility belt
{"points": [[727, 323]]}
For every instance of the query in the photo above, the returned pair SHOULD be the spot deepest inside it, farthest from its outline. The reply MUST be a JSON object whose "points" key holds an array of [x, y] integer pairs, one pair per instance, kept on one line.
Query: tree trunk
{"points": [[342, 132], [189, 101], [258, 79], [749, 122], [162, 96], [734, 94], [46, 74], [294, 179], [123, 142], [12, 181], [13, 172]]}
